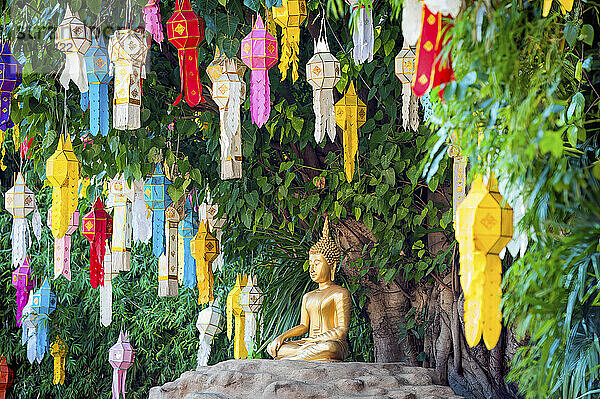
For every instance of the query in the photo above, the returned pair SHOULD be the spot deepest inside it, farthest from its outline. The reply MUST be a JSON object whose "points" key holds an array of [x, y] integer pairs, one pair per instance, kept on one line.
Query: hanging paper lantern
{"points": [[185, 30], [106, 292], [209, 211], [121, 356], [59, 351], [289, 16], [73, 38], [62, 171], [208, 326], [350, 114], [97, 228], [24, 283], [168, 262], [217, 66], [62, 247], [259, 52], [156, 195], [19, 201], [11, 74], [234, 311], [6, 377], [152, 21], [363, 33], [29, 331], [188, 228], [141, 220], [97, 63], [431, 69], [127, 50], [228, 92], [323, 73], [205, 249], [250, 301], [405, 70], [120, 197], [486, 226], [43, 304]]}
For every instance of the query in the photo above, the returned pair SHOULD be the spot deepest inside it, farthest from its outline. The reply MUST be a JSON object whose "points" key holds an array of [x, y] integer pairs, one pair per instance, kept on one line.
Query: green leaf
{"points": [[267, 220], [551, 142], [357, 213], [571, 31], [587, 34], [389, 46], [252, 199], [297, 124]]}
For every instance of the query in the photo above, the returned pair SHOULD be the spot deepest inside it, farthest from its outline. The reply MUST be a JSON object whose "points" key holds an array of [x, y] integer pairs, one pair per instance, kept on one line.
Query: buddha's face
{"points": [[319, 269]]}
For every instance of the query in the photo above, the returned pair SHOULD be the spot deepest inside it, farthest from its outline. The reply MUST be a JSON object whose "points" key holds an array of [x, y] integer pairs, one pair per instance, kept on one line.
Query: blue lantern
{"points": [[44, 303], [187, 230], [156, 195], [97, 64]]}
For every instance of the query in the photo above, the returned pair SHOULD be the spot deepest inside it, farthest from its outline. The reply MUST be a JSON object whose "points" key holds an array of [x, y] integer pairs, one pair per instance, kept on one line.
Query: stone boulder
{"points": [[288, 379]]}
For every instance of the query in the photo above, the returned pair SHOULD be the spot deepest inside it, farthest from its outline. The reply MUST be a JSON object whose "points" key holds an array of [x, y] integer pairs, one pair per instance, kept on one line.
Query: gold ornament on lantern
{"points": [[205, 249], [235, 311], [59, 351]]}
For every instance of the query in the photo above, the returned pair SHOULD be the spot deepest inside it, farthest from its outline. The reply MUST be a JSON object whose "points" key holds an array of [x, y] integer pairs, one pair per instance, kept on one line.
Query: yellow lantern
{"points": [[234, 310], [62, 171], [205, 249], [350, 114], [485, 227], [289, 16], [59, 351]]}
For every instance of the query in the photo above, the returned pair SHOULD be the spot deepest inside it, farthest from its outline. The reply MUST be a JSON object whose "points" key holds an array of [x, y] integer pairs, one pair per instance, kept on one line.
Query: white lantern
{"points": [[106, 291], [120, 196], [127, 50], [405, 70], [73, 38], [323, 73], [208, 324], [167, 262], [228, 92], [363, 34], [251, 299], [19, 201]]}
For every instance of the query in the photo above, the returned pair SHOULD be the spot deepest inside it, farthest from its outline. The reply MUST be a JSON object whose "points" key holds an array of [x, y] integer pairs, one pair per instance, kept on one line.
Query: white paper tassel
{"points": [[75, 70], [325, 117], [203, 352], [231, 135], [250, 331], [219, 261], [406, 96], [363, 36], [414, 112], [21, 240], [36, 223], [451, 7], [141, 216], [411, 21], [106, 290]]}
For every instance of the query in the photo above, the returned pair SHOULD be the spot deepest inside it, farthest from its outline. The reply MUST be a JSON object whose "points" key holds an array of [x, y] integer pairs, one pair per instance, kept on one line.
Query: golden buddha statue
{"points": [[325, 312]]}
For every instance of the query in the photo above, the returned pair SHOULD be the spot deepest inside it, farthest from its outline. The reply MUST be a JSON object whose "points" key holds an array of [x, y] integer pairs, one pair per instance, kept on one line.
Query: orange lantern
{"points": [[6, 377]]}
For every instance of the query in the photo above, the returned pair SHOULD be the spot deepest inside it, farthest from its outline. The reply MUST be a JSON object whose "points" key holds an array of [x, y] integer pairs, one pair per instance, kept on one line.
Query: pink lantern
{"points": [[259, 52], [62, 247], [152, 21], [121, 357]]}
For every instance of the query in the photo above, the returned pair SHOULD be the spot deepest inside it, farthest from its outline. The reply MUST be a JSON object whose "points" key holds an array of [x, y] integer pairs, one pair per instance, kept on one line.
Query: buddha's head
{"points": [[324, 257]]}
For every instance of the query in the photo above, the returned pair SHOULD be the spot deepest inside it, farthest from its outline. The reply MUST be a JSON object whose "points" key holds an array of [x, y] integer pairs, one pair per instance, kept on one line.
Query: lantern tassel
{"points": [[204, 350], [325, 117], [231, 168], [363, 36], [42, 337], [190, 79], [21, 240], [62, 257], [5, 121], [289, 51], [158, 238], [414, 111], [97, 251], [141, 222], [74, 70], [103, 102], [260, 96], [250, 331], [350, 136]]}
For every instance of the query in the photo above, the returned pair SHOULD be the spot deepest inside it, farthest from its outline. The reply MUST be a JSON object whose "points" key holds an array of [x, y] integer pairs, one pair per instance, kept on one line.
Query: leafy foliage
{"points": [[524, 105]]}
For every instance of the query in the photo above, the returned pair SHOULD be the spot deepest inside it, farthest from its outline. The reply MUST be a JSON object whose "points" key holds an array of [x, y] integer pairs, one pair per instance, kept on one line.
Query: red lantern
{"points": [[6, 377], [97, 228], [185, 30]]}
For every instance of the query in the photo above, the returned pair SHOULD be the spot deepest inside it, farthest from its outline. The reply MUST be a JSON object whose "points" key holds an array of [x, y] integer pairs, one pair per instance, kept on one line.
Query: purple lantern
{"points": [[259, 52], [10, 78], [24, 283], [121, 357]]}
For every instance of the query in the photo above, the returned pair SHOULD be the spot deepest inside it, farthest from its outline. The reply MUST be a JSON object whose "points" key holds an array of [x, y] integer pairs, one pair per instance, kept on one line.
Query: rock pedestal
{"points": [[288, 379]]}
